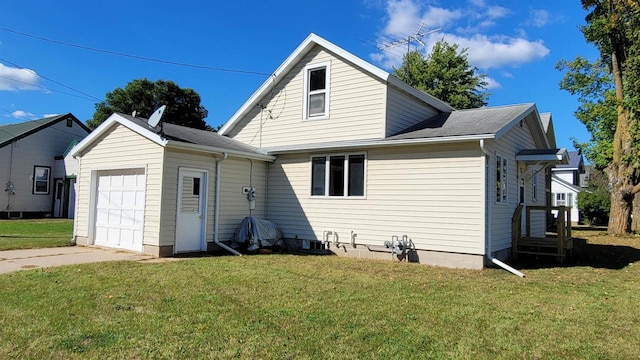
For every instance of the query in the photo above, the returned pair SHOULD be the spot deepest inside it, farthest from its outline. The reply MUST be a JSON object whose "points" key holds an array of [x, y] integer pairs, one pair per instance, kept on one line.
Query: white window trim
{"points": [[327, 91], [327, 174], [504, 174], [35, 181]]}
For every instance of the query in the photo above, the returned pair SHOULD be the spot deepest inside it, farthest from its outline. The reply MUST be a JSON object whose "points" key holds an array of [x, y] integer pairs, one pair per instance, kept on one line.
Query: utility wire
{"points": [[145, 58], [53, 81], [47, 89]]}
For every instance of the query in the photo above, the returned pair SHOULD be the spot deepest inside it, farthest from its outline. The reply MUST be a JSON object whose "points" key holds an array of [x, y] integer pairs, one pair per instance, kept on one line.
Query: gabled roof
{"points": [[565, 183], [306, 46], [547, 125], [485, 122], [13, 132], [174, 136]]}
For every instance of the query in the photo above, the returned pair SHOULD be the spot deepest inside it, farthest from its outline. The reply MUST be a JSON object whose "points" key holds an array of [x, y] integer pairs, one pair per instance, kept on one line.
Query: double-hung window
{"points": [[41, 177], [338, 175], [316, 97], [501, 179]]}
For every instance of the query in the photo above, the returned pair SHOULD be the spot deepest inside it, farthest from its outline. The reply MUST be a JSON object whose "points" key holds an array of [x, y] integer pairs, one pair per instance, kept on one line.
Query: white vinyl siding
{"points": [[432, 194], [357, 107], [404, 111], [234, 206], [516, 139], [39, 148], [132, 151], [173, 160]]}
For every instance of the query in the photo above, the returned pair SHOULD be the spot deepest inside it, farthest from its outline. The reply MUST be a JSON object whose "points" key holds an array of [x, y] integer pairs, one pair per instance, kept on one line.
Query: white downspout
{"points": [[489, 241], [216, 208]]}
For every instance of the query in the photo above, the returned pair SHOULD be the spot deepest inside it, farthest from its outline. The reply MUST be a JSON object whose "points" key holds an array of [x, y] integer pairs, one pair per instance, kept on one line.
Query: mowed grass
{"points": [[327, 307], [30, 234]]}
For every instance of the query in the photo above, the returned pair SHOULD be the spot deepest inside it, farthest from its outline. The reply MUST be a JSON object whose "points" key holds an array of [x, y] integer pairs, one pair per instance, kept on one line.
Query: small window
{"points": [[69, 123], [196, 186], [316, 98], [501, 179], [561, 199], [41, 176], [344, 178], [534, 187]]}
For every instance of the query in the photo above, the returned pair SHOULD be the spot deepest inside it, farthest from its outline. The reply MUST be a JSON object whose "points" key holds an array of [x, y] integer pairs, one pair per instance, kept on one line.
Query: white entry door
{"points": [[120, 209], [191, 211]]}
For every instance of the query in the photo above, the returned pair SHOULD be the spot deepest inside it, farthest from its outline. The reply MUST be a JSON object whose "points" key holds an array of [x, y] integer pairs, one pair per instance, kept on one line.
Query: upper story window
{"points": [[534, 187], [501, 179], [338, 175], [316, 97]]}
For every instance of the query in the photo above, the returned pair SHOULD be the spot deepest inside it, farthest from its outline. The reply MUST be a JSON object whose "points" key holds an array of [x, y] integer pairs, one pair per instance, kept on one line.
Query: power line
{"points": [[53, 81], [145, 58], [47, 89]]}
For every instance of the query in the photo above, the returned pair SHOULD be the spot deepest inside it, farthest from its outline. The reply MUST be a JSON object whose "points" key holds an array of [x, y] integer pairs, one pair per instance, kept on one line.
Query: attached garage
{"points": [[159, 190], [120, 209]]}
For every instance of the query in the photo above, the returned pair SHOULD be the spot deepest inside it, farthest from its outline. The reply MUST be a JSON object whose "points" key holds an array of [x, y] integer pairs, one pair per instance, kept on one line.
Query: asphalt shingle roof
{"points": [[194, 136], [575, 158], [487, 120], [11, 132]]}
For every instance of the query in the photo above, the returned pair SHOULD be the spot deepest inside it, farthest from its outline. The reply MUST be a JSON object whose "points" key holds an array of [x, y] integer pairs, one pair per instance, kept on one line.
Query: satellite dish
{"points": [[155, 118]]}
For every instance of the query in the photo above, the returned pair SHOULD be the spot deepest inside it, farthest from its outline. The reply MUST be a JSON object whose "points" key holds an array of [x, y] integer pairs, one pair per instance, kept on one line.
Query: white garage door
{"points": [[120, 209]]}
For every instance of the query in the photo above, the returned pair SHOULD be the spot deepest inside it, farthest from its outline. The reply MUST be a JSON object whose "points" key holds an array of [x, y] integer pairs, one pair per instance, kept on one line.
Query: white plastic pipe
{"points": [[216, 208], [488, 232]]}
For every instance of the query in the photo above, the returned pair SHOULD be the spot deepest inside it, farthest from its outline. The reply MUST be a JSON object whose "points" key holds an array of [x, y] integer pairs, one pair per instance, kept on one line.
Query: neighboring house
{"points": [[566, 183], [32, 172], [342, 155]]}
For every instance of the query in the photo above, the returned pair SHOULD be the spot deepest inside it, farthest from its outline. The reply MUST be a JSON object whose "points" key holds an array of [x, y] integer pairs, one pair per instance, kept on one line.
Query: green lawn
{"points": [[30, 234], [326, 307]]}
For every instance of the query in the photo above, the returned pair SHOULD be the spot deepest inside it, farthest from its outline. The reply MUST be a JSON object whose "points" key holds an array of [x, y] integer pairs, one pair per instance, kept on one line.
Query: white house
{"points": [[343, 156], [32, 172], [565, 183]]}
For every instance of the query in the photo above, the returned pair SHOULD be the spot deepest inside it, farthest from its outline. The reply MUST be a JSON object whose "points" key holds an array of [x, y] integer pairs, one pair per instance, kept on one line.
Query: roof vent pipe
{"points": [[216, 208], [488, 214]]}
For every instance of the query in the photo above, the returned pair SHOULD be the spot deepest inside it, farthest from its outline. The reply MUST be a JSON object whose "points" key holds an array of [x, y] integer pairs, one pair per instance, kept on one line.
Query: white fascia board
{"points": [[108, 124], [217, 150], [549, 158], [376, 144], [516, 120]]}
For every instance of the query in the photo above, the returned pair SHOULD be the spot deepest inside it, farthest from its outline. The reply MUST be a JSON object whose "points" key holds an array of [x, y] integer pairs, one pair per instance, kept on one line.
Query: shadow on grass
{"points": [[600, 256]]}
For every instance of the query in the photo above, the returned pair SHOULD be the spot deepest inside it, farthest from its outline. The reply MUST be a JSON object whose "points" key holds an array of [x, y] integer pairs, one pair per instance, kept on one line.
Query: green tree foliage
{"points": [[594, 202], [613, 26], [593, 84], [145, 96], [446, 74]]}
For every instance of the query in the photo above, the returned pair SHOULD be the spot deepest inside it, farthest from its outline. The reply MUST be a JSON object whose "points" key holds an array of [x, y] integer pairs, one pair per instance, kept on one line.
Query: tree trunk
{"points": [[635, 214], [621, 203]]}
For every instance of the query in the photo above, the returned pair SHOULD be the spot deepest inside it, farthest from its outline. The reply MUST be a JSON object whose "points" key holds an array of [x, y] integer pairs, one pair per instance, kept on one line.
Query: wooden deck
{"points": [[558, 243]]}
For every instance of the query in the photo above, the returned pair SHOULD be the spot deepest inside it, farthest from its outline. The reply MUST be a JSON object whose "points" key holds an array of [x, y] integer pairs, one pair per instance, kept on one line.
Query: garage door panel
{"points": [[120, 209]]}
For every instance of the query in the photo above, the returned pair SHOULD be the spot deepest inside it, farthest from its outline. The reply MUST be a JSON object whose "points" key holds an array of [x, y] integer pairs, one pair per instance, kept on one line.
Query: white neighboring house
{"points": [[565, 184], [32, 170]]}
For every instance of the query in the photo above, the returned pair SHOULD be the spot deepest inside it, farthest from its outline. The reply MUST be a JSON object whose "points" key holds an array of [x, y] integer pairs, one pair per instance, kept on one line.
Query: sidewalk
{"points": [[15, 260]]}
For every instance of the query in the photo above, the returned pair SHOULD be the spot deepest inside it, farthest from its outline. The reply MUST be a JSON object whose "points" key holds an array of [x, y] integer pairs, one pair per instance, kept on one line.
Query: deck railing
{"points": [[556, 243]]}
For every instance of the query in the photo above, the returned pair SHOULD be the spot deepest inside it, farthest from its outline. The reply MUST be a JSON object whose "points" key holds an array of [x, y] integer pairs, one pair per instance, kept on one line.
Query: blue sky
{"points": [[516, 43]]}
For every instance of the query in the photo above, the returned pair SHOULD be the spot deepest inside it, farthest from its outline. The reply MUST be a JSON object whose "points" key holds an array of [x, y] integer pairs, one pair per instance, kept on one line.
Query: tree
{"points": [[446, 74], [594, 202], [613, 26], [144, 97], [593, 84]]}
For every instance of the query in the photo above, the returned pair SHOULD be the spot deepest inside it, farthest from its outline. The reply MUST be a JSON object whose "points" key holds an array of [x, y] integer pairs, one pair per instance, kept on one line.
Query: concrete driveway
{"points": [[14, 260]]}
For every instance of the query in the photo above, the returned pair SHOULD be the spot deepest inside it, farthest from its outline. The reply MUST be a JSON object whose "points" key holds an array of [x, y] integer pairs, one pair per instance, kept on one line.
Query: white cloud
{"points": [[484, 51], [538, 17], [49, 115], [492, 83], [14, 79], [22, 115]]}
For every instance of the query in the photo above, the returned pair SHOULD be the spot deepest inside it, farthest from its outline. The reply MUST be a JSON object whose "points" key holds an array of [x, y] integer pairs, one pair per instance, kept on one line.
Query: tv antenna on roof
{"points": [[419, 34], [155, 118]]}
